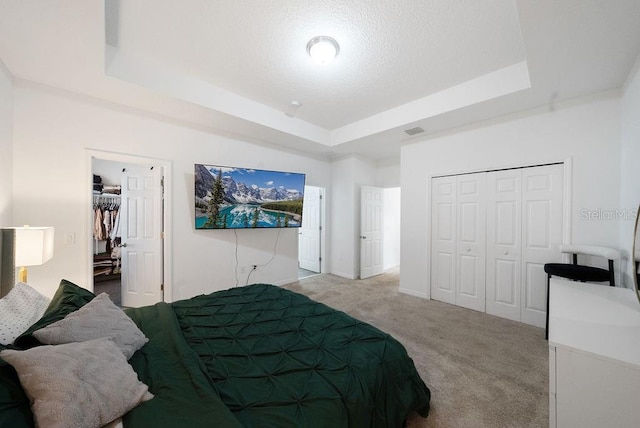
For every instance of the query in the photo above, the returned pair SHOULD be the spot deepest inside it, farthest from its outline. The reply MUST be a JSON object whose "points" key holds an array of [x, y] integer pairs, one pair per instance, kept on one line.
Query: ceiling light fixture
{"points": [[323, 49]]}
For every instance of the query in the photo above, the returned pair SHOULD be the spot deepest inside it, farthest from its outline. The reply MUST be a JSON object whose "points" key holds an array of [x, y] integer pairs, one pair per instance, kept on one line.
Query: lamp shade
{"points": [[34, 245]]}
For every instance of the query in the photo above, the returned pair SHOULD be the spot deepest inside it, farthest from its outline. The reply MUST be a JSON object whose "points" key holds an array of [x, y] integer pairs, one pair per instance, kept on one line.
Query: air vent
{"points": [[414, 131]]}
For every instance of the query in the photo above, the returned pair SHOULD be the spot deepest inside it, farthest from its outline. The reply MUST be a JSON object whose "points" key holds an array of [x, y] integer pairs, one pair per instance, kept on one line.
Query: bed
{"points": [[249, 356]]}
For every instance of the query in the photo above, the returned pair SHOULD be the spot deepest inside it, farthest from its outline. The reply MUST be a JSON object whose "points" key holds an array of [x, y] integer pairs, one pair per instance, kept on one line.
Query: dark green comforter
{"points": [[279, 359], [184, 395], [260, 356]]}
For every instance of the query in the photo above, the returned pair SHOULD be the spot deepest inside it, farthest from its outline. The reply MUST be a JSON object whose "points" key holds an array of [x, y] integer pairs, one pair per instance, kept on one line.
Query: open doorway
{"points": [[129, 229], [311, 234]]}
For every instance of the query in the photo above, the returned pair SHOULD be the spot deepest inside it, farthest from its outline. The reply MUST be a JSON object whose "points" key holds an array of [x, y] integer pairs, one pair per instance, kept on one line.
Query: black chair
{"points": [[636, 265], [582, 273]]}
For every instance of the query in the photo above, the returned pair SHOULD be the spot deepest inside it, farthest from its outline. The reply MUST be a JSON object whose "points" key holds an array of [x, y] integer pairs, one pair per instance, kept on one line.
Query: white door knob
{"points": [[506, 252]]}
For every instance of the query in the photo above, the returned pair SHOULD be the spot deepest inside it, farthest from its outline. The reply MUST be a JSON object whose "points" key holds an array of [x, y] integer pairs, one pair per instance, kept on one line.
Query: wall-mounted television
{"points": [[245, 198]]}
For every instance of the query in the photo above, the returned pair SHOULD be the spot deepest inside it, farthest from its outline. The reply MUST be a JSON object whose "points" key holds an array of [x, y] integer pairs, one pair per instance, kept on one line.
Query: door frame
{"points": [[92, 154], [567, 197]]}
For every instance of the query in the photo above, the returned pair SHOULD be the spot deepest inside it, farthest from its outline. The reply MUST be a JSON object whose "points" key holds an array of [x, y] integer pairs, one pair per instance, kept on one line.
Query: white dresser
{"points": [[594, 356]]}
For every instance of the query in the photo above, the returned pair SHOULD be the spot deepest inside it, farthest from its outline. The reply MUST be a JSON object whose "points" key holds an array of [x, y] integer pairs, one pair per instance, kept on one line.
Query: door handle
{"points": [[363, 237], [124, 244], [505, 253]]}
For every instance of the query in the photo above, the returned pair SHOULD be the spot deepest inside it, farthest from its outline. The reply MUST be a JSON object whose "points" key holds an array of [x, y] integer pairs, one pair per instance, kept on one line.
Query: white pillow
{"points": [[19, 309], [83, 384], [98, 318]]}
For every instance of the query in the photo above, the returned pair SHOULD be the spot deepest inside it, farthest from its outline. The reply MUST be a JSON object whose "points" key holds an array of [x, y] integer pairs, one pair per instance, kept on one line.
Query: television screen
{"points": [[239, 198]]}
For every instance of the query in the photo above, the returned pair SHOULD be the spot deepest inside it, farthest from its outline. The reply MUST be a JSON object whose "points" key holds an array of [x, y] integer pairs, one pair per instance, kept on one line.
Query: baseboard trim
{"points": [[285, 281], [413, 293], [344, 275]]}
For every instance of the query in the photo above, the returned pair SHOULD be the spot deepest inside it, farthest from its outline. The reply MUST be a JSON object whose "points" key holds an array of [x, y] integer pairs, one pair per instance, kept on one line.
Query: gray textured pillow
{"points": [[98, 318], [86, 384], [19, 309]]}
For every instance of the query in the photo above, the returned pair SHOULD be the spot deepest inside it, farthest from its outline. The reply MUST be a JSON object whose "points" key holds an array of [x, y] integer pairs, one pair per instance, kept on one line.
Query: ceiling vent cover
{"points": [[414, 131]]}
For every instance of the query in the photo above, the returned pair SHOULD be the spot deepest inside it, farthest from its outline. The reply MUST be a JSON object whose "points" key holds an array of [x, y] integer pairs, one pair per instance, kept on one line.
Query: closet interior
{"points": [[106, 238]]}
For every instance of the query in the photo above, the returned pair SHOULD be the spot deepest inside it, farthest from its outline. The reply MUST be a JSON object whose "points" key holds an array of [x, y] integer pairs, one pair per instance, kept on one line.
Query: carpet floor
{"points": [[112, 287], [483, 371]]}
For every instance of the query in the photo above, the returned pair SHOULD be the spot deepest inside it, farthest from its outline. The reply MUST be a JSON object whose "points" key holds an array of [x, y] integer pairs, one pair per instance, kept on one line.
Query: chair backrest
{"points": [[591, 250]]}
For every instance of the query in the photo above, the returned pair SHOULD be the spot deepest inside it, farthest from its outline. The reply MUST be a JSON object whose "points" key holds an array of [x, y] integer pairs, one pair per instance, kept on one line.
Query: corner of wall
{"points": [[633, 75]]}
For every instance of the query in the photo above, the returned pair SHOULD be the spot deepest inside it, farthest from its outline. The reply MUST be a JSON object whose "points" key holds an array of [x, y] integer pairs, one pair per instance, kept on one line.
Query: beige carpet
{"points": [[483, 371]]}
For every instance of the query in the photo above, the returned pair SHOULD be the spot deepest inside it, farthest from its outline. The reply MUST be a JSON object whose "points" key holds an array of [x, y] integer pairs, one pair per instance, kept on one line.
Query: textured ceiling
{"points": [[233, 66], [391, 52]]}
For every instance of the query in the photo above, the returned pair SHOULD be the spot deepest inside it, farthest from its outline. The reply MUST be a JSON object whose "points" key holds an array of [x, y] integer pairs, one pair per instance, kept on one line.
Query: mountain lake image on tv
{"points": [[244, 198]]}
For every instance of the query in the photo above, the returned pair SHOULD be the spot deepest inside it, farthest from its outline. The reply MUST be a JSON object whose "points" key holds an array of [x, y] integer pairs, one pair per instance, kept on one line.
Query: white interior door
{"points": [[371, 221], [504, 227], [309, 233], [141, 236], [542, 193], [443, 239], [471, 241]]}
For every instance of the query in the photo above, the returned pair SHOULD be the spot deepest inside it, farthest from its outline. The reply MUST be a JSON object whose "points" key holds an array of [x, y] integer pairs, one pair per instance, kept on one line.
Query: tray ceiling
{"points": [[236, 65]]}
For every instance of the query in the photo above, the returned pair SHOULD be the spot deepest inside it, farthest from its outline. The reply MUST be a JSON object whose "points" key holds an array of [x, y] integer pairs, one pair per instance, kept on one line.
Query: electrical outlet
{"points": [[243, 269]]}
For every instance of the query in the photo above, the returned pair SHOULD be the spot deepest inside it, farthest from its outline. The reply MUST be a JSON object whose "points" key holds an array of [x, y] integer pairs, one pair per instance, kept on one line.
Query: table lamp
{"points": [[34, 246]]}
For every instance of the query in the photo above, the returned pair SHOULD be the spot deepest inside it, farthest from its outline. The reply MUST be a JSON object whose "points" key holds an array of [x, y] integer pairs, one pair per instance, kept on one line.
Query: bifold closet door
{"points": [[443, 239], [504, 242], [524, 231], [542, 196], [458, 234], [471, 241]]}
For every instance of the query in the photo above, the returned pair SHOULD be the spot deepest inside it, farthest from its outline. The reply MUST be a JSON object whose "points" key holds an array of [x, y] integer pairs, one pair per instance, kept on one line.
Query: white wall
{"points": [[630, 164], [347, 176], [53, 129], [388, 174], [588, 131], [391, 234], [6, 151]]}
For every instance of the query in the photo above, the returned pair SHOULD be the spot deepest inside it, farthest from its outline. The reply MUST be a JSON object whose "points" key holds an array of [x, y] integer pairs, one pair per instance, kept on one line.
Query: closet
{"points": [[129, 259], [106, 236], [106, 224], [491, 234]]}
